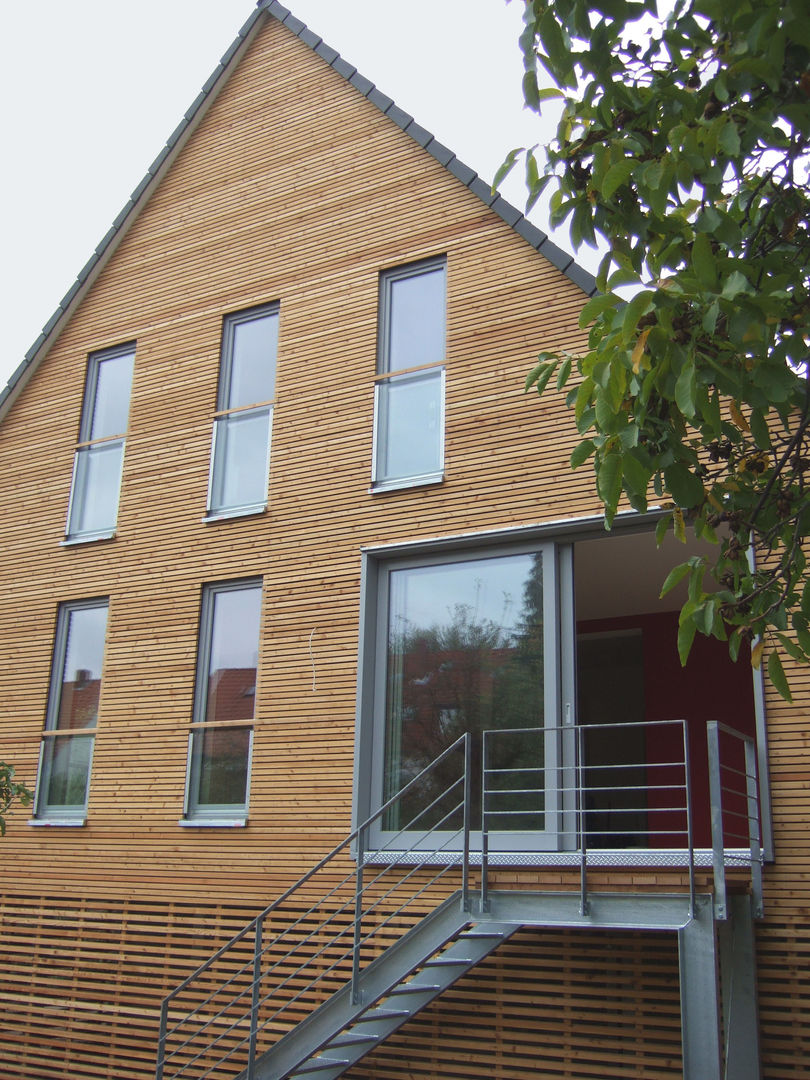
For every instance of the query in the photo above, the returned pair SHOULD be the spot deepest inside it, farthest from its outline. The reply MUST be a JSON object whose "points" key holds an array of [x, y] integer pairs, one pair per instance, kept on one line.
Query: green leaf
{"points": [[595, 306], [564, 372], [759, 429], [729, 139], [703, 262], [609, 482], [581, 453], [792, 649], [735, 284], [546, 93], [674, 577], [552, 39], [638, 306], [686, 488], [776, 673], [686, 635], [685, 390], [616, 176], [662, 528], [506, 167]]}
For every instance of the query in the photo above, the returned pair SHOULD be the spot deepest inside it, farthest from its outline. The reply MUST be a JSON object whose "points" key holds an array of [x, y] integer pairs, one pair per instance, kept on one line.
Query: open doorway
{"points": [[629, 677]]}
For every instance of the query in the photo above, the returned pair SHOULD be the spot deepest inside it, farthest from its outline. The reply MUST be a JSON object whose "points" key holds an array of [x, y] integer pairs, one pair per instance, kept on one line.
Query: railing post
{"points": [[255, 998], [164, 1023], [465, 869], [358, 916], [581, 814], [754, 838], [690, 840], [484, 825], [716, 800]]}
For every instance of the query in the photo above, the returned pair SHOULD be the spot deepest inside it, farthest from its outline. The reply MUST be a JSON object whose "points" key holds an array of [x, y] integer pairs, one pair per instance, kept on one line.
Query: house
{"points": [[281, 528]]}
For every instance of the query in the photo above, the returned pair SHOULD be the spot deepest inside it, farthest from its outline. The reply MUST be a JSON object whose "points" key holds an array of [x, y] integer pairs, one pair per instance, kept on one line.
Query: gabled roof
{"points": [[194, 114]]}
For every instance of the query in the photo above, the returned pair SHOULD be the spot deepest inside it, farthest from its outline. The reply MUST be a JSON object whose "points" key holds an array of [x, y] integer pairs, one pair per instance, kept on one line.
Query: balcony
{"points": [[410, 901]]}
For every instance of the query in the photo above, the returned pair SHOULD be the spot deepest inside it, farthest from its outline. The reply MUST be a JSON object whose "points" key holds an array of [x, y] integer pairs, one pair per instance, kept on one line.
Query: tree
{"points": [[683, 149], [11, 791]]}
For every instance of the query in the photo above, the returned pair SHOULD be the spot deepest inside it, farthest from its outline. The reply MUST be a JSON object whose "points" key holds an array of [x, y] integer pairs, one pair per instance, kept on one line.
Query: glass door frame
{"points": [[559, 706]]}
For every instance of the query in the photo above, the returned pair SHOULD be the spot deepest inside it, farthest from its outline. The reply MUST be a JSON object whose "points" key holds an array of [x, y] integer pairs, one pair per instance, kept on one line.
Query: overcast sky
{"points": [[91, 89]]}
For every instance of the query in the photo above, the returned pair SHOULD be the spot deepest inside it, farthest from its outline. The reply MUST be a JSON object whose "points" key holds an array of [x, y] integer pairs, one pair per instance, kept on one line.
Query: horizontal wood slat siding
{"points": [[295, 190]]}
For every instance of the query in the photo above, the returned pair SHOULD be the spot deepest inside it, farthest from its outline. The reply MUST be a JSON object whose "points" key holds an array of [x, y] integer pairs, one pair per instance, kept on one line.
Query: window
{"points": [[241, 443], [72, 716], [100, 453], [463, 641], [409, 391], [224, 703]]}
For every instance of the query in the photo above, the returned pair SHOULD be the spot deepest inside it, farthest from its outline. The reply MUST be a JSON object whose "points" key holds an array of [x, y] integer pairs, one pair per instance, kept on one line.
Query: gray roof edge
{"points": [[476, 184], [127, 214]]}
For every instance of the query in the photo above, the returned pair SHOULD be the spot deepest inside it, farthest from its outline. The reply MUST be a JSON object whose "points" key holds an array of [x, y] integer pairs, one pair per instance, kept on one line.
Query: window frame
{"points": [[371, 732], [224, 412], [51, 733], [386, 376], [86, 445], [196, 813]]}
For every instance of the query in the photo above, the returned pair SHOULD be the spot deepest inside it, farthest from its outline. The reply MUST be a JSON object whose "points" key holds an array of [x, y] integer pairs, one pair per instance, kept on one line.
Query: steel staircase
{"points": [[444, 946], [390, 919]]}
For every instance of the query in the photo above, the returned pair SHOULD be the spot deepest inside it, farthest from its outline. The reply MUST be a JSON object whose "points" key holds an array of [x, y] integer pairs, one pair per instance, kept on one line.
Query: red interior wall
{"points": [[710, 687]]}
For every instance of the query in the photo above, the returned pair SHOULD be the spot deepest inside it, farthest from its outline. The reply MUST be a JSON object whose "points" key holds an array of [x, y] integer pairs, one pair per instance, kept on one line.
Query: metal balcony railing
{"points": [[735, 812], [591, 787], [591, 794]]}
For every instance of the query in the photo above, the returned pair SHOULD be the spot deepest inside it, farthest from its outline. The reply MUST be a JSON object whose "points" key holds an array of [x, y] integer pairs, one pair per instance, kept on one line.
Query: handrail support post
{"points": [[255, 998]]}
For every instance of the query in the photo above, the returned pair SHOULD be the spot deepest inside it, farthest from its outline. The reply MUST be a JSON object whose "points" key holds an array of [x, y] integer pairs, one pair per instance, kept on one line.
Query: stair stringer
{"points": [[391, 994]]}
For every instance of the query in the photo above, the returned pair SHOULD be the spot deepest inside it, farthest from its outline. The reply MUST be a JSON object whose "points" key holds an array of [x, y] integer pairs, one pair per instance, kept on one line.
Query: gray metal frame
{"points": [[229, 324], [41, 812], [370, 729], [193, 811], [78, 486], [379, 435]]}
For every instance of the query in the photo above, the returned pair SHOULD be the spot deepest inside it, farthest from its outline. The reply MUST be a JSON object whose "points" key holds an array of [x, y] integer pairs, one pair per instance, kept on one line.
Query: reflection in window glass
{"points": [[241, 443], [242, 439], [464, 654], [73, 708], [99, 459], [225, 695], [409, 406], [96, 488], [409, 418]]}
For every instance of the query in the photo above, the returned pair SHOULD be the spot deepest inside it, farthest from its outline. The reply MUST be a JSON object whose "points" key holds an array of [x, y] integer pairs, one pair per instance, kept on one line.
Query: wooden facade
{"points": [[293, 188]]}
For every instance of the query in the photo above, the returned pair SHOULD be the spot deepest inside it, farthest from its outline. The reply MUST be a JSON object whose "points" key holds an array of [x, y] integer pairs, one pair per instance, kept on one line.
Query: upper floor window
{"points": [[72, 715], [224, 701], [99, 457], [247, 381], [409, 391]]}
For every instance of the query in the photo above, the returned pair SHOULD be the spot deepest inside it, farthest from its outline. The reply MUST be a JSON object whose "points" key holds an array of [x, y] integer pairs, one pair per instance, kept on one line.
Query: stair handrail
{"points": [[722, 777], [356, 841]]}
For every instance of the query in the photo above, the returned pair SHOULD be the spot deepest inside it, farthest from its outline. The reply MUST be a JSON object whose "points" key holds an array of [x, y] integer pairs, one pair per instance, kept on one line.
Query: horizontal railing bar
{"points": [[346, 842]]}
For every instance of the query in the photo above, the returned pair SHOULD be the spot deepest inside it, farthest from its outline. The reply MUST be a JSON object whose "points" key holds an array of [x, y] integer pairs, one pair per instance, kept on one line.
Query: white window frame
{"points": [[194, 811], [217, 510], [87, 447], [75, 814], [388, 378]]}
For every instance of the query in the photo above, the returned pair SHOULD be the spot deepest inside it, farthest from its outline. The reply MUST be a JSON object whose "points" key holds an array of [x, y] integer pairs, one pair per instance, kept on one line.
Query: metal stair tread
{"points": [[382, 1014], [348, 1038], [448, 961], [414, 988], [319, 1064]]}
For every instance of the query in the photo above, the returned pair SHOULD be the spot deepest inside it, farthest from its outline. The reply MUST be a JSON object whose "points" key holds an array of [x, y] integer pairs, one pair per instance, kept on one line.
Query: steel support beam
{"points": [[739, 985], [700, 1000]]}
